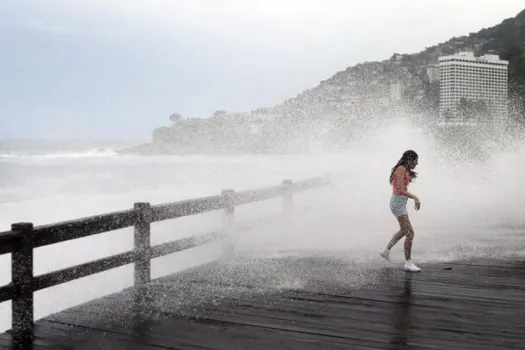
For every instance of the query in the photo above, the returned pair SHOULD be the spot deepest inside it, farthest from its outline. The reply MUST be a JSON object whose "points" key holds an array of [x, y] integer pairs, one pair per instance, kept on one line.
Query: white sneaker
{"points": [[409, 266], [385, 254]]}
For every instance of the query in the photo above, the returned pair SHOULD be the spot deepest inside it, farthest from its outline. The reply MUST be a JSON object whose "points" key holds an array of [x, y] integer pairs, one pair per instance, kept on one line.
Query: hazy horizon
{"points": [[117, 70]]}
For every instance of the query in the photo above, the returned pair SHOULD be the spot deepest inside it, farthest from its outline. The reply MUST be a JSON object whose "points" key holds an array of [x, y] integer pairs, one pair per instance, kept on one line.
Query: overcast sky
{"points": [[119, 68]]}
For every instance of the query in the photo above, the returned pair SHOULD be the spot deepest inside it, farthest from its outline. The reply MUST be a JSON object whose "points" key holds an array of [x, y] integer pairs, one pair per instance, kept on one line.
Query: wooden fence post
{"points": [[22, 279], [287, 196], [229, 209], [228, 217], [142, 243]]}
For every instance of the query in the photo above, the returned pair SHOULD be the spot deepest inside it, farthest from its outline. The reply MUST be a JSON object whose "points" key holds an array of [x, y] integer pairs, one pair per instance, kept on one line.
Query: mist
{"points": [[470, 207]]}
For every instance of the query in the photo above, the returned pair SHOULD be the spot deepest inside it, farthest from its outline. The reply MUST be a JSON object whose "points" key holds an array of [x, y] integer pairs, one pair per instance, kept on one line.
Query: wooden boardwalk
{"points": [[304, 303]]}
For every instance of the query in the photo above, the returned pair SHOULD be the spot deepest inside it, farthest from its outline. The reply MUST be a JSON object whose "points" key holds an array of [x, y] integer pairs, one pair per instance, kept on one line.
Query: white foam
{"points": [[91, 153]]}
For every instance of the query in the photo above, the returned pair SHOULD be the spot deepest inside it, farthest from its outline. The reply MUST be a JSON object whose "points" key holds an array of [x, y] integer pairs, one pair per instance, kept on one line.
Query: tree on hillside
{"points": [[516, 57], [175, 117], [220, 114]]}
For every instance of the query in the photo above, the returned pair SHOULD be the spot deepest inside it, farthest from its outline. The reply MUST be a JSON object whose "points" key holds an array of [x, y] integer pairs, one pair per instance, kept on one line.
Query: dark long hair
{"points": [[405, 158]]}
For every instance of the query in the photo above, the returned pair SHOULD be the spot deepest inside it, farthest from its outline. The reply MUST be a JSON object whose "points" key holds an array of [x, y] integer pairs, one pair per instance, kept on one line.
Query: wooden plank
{"points": [[348, 335], [257, 333], [183, 334], [251, 196], [377, 314], [366, 300], [186, 334], [317, 315], [72, 273], [9, 242], [181, 244], [217, 307], [79, 228], [7, 292], [187, 207]]}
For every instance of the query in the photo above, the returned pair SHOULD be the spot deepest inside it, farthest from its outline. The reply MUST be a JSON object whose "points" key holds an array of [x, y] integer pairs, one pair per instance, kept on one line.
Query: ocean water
{"points": [[469, 207], [51, 185]]}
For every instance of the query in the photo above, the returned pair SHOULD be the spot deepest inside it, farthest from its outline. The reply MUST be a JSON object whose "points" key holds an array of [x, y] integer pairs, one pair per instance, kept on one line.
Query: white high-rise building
{"points": [[466, 80]]}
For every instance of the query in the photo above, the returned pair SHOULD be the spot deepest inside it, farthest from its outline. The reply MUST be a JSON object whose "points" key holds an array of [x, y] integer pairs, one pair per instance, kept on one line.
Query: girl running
{"points": [[402, 174]]}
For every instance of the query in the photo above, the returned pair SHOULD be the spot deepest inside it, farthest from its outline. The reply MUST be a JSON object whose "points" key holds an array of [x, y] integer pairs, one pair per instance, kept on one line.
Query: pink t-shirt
{"points": [[406, 180]]}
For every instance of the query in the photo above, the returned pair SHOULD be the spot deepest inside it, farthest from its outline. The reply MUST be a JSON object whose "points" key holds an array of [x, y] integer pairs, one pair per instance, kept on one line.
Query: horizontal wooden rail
{"points": [[9, 242], [23, 238], [181, 244], [186, 208], [72, 273], [7, 292], [74, 229], [257, 195]]}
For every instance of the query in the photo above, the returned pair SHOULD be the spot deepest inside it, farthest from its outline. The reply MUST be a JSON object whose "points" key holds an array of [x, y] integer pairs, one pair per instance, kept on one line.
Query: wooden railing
{"points": [[23, 238]]}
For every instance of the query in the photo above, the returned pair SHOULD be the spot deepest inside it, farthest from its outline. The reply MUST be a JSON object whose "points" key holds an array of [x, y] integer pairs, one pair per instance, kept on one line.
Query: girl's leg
{"points": [[395, 238], [405, 230], [404, 221], [406, 227]]}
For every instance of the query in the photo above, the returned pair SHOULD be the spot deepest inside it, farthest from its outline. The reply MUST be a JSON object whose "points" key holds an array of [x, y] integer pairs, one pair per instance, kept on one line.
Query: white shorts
{"points": [[398, 205]]}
